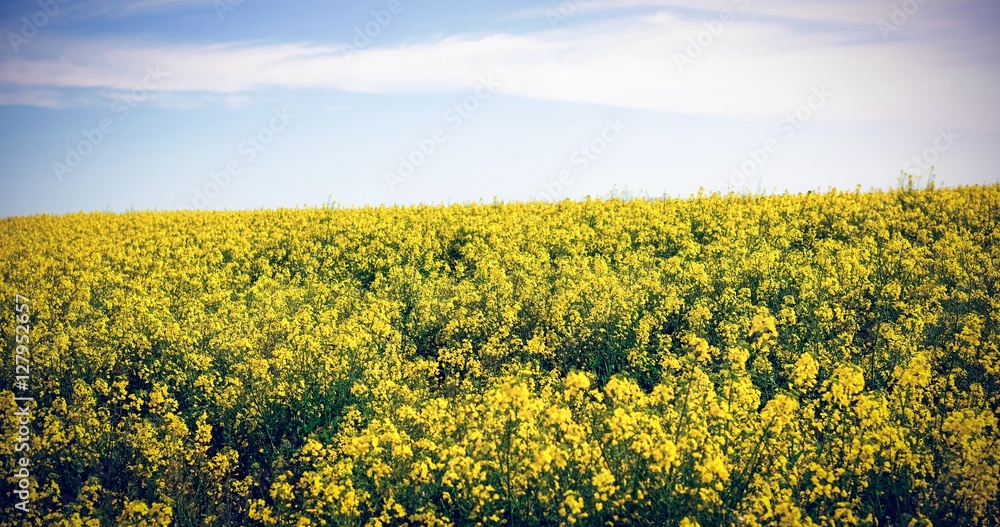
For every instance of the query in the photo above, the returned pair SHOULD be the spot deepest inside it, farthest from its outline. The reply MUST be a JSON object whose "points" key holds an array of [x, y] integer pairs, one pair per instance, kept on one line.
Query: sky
{"points": [[246, 104]]}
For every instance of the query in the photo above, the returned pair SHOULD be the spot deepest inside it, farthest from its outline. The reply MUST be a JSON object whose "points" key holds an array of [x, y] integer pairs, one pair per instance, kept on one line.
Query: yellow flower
{"points": [[804, 372]]}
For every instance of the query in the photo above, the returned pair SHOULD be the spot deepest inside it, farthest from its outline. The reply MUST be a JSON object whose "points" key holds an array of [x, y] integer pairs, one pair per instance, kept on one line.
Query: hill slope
{"points": [[810, 359]]}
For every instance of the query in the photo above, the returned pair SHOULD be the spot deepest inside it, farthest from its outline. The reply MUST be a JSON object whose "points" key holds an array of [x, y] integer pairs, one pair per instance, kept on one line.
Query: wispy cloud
{"points": [[87, 9], [43, 98], [843, 11], [756, 69], [141, 5]]}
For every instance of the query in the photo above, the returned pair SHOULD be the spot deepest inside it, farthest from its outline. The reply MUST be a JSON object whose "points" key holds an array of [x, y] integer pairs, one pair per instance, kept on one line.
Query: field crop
{"points": [[815, 359]]}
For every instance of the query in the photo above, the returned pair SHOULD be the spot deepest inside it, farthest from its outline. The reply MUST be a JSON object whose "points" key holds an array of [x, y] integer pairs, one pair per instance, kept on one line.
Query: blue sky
{"points": [[169, 104]]}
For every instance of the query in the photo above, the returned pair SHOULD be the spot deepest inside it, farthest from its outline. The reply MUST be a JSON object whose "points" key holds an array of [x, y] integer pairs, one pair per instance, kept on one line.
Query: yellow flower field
{"points": [[818, 359]]}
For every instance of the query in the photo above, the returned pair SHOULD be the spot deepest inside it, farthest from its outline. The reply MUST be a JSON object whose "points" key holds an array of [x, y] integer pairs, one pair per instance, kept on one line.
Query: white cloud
{"points": [[87, 9], [52, 99], [862, 12], [754, 69]]}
